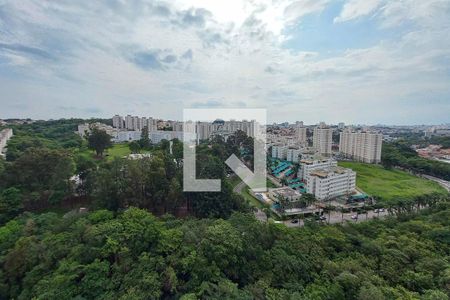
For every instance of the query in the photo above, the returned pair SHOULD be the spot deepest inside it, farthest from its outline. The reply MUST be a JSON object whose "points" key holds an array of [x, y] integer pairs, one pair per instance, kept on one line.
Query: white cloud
{"points": [[236, 55], [354, 9]]}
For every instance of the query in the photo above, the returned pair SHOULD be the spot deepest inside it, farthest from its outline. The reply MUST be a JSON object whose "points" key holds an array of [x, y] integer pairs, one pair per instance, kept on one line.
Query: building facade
{"points": [[293, 154], [331, 182], [361, 146], [322, 139], [279, 151], [309, 165], [300, 133]]}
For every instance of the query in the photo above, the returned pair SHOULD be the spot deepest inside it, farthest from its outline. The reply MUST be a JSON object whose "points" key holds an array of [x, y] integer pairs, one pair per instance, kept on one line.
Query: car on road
{"points": [[354, 217], [322, 218], [294, 221], [381, 210]]}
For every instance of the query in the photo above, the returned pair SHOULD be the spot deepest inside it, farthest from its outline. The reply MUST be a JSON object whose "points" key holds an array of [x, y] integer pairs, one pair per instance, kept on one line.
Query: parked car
{"points": [[323, 218], [294, 221], [381, 210], [355, 217]]}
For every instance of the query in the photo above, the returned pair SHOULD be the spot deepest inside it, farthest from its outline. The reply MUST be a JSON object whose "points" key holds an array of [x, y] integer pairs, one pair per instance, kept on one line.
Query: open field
{"points": [[117, 150], [390, 184]]}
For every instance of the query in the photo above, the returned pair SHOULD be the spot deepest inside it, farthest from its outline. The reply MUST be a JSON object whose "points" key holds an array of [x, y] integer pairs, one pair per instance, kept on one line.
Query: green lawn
{"points": [[117, 150], [390, 184]]}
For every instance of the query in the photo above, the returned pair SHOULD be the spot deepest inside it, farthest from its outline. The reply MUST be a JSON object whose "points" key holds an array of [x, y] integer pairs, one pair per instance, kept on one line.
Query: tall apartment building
{"points": [[341, 125], [279, 151], [322, 139], [309, 165], [293, 154], [331, 182], [300, 133], [361, 146], [204, 130], [118, 122], [129, 122], [249, 127]]}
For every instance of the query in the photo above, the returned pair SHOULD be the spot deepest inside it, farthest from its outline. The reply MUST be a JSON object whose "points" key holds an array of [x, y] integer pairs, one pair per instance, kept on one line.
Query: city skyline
{"points": [[357, 62]]}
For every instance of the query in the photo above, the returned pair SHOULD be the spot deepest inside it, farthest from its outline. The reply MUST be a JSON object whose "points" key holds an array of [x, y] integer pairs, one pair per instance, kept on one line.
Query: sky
{"points": [[352, 61]]}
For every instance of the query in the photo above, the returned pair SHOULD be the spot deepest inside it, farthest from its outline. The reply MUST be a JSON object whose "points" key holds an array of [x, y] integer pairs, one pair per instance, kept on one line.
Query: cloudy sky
{"points": [[357, 61]]}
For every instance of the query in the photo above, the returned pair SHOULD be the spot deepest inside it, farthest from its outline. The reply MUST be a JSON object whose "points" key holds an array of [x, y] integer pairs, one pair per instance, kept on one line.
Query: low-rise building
{"points": [[285, 192], [331, 182], [85, 128]]}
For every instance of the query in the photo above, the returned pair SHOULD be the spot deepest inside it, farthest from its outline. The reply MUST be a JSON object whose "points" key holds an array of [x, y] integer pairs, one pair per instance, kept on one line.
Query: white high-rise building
{"points": [[137, 123], [204, 130], [118, 122], [301, 135], [129, 122], [331, 182], [152, 124], [341, 125], [309, 165], [361, 146], [293, 154], [279, 151], [322, 139]]}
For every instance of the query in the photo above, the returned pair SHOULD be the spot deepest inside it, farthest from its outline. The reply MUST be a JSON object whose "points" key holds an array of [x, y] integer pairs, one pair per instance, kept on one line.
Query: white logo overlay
{"points": [[197, 126]]}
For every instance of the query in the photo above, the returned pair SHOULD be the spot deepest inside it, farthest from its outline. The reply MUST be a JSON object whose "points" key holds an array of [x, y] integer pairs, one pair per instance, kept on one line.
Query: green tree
{"points": [[144, 142], [99, 141], [135, 147], [10, 204]]}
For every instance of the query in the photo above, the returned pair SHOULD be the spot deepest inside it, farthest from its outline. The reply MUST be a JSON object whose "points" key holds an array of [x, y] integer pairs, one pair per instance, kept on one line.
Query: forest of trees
{"points": [[134, 255], [400, 154], [130, 245]]}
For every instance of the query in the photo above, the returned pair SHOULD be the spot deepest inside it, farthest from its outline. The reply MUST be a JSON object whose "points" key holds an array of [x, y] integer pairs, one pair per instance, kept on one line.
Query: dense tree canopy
{"points": [[400, 154], [132, 254]]}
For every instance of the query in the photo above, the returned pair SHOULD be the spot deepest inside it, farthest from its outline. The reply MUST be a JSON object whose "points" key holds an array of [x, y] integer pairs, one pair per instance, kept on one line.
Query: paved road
{"points": [[445, 184], [336, 217]]}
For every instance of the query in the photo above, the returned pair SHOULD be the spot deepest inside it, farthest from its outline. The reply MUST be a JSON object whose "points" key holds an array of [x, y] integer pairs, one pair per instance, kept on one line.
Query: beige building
{"points": [[361, 146], [322, 139]]}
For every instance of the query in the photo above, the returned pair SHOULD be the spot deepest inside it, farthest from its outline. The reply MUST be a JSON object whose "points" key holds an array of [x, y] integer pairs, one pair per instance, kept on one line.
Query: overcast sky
{"points": [[356, 61]]}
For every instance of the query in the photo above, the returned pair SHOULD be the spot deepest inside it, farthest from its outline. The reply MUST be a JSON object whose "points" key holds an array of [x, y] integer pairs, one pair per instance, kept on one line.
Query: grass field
{"points": [[117, 150], [235, 180], [390, 184]]}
